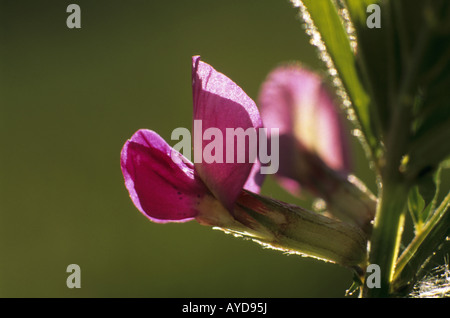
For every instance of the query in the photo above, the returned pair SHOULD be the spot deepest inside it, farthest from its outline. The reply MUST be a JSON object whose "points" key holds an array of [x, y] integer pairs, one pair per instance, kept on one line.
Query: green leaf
{"points": [[416, 204], [429, 25], [423, 246], [407, 62], [422, 199], [358, 9], [430, 146], [376, 57], [429, 189], [325, 19], [384, 53], [356, 285], [429, 150]]}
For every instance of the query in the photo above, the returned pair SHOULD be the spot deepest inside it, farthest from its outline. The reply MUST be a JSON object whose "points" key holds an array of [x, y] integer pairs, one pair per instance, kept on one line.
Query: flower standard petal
{"points": [[220, 104], [163, 190]]}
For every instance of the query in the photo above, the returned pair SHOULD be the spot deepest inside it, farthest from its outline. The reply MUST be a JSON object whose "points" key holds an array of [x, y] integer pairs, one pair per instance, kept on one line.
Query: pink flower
{"points": [[314, 146], [167, 190], [312, 134]]}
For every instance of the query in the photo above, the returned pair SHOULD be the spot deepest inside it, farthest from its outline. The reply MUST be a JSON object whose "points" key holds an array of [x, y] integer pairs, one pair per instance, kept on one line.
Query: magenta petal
{"points": [[161, 189], [221, 104], [296, 101], [255, 179]]}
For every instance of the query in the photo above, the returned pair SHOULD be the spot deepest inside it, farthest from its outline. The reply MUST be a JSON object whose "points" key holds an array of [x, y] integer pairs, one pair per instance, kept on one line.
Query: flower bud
{"points": [[314, 146]]}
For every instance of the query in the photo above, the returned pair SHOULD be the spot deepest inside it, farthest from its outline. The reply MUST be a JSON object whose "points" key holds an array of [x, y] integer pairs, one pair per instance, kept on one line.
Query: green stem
{"points": [[288, 228], [386, 235], [385, 240], [388, 225], [389, 219]]}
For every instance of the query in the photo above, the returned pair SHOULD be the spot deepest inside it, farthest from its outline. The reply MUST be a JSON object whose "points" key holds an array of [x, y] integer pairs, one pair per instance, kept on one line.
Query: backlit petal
{"points": [[297, 101], [163, 190], [220, 103]]}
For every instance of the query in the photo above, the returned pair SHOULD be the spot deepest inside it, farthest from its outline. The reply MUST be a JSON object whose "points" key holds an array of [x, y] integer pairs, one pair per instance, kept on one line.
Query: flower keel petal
{"points": [[161, 189]]}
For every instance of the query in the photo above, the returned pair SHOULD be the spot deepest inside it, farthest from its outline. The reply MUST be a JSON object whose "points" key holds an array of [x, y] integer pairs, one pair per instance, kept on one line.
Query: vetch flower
{"points": [[314, 149], [170, 190], [224, 195]]}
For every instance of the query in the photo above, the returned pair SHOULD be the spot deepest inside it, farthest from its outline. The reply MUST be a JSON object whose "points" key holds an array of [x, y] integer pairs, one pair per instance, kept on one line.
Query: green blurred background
{"points": [[70, 98]]}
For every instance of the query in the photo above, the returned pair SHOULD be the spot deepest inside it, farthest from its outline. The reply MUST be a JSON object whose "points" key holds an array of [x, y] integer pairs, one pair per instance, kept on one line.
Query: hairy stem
{"points": [[385, 240], [288, 228], [386, 235]]}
